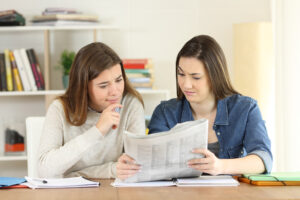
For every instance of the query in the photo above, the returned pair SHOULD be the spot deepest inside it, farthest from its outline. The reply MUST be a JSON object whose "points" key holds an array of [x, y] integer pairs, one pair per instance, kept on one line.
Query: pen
{"points": [[40, 180], [117, 109]]}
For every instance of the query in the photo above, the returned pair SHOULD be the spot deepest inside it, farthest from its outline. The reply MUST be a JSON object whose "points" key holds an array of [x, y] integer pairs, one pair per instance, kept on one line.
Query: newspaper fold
{"points": [[164, 155]]}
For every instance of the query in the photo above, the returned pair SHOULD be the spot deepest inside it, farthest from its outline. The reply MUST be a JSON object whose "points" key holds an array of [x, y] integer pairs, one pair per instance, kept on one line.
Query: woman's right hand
{"points": [[109, 118], [126, 167]]}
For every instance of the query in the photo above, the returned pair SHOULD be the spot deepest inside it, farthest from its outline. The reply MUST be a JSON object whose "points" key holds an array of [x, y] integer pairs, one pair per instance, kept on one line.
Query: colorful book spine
{"points": [[3, 72], [16, 74], [37, 65], [34, 69], [9, 78]]}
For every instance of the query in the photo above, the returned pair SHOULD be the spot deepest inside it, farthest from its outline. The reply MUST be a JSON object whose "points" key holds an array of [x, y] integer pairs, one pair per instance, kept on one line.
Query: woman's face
{"points": [[106, 89], [193, 80]]}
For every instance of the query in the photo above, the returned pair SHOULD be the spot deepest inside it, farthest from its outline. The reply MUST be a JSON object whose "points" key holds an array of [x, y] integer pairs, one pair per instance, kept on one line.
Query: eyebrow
{"points": [[106, 82], [193, 74]]}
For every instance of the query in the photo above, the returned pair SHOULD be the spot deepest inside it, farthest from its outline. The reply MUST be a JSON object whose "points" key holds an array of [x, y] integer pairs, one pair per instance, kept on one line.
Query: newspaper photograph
{"points": [[165, 155]]}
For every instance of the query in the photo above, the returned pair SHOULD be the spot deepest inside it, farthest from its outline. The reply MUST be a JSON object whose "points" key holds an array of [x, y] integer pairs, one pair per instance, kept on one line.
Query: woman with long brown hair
{"points": [[84, 127], [237, 137]]}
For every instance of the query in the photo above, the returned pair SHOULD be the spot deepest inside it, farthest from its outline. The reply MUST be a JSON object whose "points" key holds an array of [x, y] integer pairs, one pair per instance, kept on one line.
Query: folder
{"points": [[272, 179]]}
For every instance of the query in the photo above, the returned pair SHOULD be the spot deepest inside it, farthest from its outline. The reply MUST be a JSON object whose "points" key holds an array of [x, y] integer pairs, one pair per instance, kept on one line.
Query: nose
{"points": [[113, 90], [187, 83]]}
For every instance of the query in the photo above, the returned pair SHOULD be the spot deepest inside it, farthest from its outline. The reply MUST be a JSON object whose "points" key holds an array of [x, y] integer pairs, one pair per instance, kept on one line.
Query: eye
{"points": [[103, 86], [196, 78], [180, 74], [119, 80]]}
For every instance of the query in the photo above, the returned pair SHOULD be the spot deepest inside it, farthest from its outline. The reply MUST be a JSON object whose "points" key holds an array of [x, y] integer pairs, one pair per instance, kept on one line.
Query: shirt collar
{"points": [[221, 117]]}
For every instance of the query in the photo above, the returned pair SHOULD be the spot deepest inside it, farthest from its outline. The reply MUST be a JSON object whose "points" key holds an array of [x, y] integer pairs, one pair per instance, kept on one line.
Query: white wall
{"points": [[287, 28], [156, 28]]}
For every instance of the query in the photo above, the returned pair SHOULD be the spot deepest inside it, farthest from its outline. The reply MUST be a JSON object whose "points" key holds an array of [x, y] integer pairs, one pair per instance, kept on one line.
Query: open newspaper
{"points": [[165, 155]]}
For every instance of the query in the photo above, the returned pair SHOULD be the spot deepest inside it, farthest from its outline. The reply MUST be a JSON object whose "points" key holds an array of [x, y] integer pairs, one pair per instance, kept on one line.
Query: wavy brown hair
{"points": [[208, 51], [89, 62]]}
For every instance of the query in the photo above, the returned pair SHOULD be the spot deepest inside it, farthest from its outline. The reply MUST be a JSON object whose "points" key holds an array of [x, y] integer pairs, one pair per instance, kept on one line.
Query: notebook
{"points": [[183, 182]]}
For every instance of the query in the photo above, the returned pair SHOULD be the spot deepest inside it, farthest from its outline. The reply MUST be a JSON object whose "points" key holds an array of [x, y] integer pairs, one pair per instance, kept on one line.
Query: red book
{"points": [[137, 63]]}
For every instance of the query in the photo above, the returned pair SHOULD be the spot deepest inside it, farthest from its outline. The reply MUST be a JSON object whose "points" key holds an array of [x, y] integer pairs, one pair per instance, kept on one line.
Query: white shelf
{"points": [[12, 158], [32, 93], [43, 28]]}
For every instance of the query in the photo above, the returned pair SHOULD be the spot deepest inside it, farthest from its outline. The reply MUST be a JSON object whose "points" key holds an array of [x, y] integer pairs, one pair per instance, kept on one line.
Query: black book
{"points": [[3, 73]]}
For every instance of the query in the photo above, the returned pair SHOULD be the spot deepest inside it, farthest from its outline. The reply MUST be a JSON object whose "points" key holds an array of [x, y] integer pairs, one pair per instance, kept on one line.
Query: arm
{"points": [[158, 122], [56, 156], [256, 143]]}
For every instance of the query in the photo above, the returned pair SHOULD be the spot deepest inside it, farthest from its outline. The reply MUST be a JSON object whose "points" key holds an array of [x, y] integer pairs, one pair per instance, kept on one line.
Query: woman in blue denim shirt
{"points": [[237, 137]]}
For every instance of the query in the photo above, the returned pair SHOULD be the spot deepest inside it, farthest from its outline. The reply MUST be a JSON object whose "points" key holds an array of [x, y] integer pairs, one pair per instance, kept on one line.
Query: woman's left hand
{"points": [[210, 164]]}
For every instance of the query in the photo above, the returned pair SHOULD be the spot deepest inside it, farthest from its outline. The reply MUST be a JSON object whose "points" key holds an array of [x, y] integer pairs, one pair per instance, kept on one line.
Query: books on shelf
{"points": [[64, 16], [139, 72], [20, 71], [11, 18]]}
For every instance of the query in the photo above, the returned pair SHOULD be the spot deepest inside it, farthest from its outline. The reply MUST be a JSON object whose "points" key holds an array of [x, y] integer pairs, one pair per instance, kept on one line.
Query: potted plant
{"points": [[66, 60]]}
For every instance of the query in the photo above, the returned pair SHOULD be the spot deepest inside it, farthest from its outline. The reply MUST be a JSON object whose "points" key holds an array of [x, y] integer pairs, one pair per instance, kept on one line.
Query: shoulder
{"points": [[238, 100], [131, 101], [56, 106], [170, 106]]}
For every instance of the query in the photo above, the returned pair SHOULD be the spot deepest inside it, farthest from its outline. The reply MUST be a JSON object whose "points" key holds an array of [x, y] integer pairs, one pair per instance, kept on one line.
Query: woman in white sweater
{"points": [[83, 131]]}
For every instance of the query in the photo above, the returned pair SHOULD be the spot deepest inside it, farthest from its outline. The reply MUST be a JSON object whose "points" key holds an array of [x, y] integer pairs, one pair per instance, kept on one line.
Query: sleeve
{"points": [[106, 170], [256, 141], [158, 122], [55, 156]]}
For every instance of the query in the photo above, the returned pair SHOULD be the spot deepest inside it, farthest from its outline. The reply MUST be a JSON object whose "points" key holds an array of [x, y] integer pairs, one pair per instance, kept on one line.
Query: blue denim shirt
{"points": [[238, 125]]}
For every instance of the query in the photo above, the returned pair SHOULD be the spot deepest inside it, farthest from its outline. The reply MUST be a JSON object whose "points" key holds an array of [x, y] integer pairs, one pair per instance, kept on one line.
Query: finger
{"points": [[127, 158], [199, 161], [127, 172], [200, 167], [125, 166], [123, 177]]}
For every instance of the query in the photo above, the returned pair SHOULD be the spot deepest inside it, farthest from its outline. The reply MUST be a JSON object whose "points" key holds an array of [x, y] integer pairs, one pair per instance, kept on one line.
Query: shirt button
{"points": [[242, 152], [218, 133]]}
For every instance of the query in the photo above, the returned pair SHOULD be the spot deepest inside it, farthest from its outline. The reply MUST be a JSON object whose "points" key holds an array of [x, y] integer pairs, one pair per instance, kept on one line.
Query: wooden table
{"points": [[107, 192]]}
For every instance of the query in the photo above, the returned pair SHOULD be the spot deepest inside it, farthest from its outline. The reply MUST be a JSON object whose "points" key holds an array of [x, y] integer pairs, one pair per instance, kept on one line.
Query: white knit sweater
{"points": [[66, 150]]}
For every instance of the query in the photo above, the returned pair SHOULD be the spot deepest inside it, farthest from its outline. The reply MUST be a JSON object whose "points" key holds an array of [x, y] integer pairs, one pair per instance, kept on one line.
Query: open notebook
{"points": [[59, 183], [183, 182]]}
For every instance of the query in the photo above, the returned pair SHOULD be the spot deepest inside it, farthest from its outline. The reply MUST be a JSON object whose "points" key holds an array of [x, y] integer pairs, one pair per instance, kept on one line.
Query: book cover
{"points": [[3, 72], [9, 78], [16, 75], [38, 68], [34, 69], [28, 69], [22, 71], [138, 71]]}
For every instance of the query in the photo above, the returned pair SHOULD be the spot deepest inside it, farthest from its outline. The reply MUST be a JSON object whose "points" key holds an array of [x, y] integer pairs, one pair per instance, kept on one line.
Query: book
{"points": [[72, 17], [16, 75], [22, 71], [11, 18], [2, 72], [222, 180], [37, 65], [9, 78], [138, 71], [10, 181], [137, 63], [75, 182], [28, 69], [274, 178], [36, 74]]}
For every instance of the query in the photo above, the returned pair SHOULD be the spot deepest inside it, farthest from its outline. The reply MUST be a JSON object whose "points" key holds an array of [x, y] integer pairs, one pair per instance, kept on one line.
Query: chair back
{"points": [[34, 127]]}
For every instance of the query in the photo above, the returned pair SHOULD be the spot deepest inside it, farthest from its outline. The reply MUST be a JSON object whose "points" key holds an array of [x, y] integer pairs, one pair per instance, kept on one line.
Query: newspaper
{"points": [[165, 155]]}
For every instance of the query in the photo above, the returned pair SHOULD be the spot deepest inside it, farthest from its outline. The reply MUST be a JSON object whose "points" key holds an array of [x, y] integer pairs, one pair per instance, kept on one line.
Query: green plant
{"points": [[66, 60]]}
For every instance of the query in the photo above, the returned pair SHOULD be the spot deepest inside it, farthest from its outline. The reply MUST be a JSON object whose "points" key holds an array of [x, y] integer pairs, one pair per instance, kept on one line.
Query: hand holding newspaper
{"points": [[164, 155]]}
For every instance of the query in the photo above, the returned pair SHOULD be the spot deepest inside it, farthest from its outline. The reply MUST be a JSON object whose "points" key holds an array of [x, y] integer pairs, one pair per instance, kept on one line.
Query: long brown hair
{"points": [[89, 62], [208, 51]]}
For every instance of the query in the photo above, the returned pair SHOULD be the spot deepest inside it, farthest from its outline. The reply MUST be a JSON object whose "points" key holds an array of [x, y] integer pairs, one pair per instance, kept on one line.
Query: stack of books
{"points": [[20, 71], [139, 72], [64, 16], [274, 178], [11, 18]]}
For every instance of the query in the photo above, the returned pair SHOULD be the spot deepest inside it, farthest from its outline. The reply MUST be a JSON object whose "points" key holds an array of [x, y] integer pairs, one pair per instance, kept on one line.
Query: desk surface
{"points": [[107, 192]]}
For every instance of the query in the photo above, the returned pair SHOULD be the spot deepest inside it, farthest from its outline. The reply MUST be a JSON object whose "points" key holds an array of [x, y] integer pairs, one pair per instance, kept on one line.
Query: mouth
{"points": [[189, 93], [114, 100]]}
